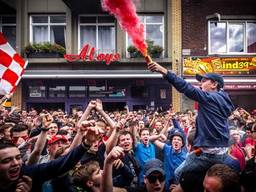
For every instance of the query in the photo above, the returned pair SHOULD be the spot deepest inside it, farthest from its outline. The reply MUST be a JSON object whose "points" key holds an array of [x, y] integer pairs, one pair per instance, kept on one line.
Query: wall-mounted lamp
{"points": [[215, 16]]}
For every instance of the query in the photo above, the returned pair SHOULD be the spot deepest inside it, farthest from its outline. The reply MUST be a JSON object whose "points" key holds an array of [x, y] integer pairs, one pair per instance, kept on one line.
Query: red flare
{"points": [[125, 13], [148, 59]]}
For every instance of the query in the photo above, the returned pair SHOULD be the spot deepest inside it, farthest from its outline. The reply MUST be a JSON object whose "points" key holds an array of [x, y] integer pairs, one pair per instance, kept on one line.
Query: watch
{"points": [[44, 129]]}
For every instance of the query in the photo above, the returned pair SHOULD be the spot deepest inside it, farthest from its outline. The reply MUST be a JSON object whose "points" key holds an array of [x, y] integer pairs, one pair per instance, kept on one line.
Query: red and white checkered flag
{"points": [[12, 67]]}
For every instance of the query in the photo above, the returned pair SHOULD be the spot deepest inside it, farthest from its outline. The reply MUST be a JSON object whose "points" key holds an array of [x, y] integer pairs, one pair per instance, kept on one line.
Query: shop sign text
{"points": [[225, 66], [88, 54]]}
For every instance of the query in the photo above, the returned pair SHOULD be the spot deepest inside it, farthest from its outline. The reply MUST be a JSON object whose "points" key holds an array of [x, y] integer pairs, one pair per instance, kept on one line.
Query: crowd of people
{"points": [[210, 150]]}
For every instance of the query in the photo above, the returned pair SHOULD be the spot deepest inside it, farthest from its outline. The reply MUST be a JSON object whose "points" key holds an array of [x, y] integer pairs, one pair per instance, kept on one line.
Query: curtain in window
{"points": [[87, 36], [40, 34], [58, 35], [106, 39]]}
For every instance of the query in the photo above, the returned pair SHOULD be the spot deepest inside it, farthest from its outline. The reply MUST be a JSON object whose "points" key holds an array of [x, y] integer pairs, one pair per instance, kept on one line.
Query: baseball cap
{"points": [[153, 165], [177, 133], [213, 76], [56, 138]]}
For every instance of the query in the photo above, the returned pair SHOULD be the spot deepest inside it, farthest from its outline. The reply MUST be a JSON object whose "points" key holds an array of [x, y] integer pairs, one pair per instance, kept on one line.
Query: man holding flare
{"points": [[215, 106]]}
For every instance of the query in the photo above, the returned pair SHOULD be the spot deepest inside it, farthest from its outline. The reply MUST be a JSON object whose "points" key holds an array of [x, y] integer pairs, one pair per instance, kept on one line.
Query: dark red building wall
{"points": [[194, 23]]}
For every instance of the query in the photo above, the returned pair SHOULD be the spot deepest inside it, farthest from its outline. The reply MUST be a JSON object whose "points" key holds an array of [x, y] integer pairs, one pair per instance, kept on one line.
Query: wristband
{"points": [[44, 129]]}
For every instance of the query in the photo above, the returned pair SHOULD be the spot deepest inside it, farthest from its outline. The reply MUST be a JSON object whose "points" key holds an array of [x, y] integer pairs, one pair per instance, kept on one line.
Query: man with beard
{"points": [[144, 151], [174, 155]]}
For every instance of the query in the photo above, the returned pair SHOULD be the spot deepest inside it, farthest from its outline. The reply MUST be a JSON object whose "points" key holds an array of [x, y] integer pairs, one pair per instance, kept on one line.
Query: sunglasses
{"points": [[153, 178]]}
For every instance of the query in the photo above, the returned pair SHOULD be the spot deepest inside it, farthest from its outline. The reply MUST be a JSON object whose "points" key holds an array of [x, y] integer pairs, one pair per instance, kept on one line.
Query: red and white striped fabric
{"points": [[12, 67]]}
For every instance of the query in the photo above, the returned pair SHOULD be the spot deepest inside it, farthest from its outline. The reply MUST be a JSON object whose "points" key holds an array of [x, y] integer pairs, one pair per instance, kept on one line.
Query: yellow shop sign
{"points": [[225, 66]]}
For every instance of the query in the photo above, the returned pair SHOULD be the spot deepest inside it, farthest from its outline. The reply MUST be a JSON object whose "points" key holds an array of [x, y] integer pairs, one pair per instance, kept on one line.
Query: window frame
{"points": [[145, 24], [228, 23], [49, 24], [8, 24], [97, 24]]}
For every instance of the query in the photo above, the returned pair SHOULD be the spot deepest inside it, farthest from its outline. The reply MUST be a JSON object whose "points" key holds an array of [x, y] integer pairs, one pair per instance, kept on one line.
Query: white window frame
{"points": [[6, 24], [145, 27], [49, 24], [97, 26], [227, 37]]}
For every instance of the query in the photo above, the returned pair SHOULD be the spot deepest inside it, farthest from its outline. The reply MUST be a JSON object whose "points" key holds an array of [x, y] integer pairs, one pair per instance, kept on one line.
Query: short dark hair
{"points": [[5, 143], [229, 178], [143, 129], [124, 133], [4, 126], [19, 128], [83, 173]]}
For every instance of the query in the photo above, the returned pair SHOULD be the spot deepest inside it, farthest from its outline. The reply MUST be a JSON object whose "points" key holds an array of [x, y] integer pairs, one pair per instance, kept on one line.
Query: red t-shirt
{"points": [[238, 153]]}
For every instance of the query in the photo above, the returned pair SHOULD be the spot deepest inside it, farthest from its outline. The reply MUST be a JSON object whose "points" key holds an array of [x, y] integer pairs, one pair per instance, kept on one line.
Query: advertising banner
{"points": [[224, 66]]}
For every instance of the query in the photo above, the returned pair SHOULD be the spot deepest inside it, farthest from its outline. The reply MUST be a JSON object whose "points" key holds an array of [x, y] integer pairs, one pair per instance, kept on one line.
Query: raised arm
{"points": [[112, 140], [64, 163], [80, 134], [180, 84], [47, 119], [155, 139], [90, 106], [99, 108], [107, 181]]}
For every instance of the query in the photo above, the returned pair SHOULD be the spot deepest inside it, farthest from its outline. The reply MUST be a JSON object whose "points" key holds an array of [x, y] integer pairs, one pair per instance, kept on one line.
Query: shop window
{"points": [[98, 32], [232, 37], [154, 29], [37, 91], [139, 91], [116, 91], [8, 28], [77, 91], [48, 28], [97, 91], [57, 91], [162, 93]]}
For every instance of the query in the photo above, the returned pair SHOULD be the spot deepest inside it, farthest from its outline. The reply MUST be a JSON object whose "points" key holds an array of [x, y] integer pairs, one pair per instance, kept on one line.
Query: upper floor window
{"points": [[98, 32], [232, 37], [8, 27], [154, 29], [48, 28]]}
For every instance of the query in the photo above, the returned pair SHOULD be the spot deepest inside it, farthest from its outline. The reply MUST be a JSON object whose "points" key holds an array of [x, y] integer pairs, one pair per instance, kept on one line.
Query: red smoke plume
{"points": [[125, 13]]}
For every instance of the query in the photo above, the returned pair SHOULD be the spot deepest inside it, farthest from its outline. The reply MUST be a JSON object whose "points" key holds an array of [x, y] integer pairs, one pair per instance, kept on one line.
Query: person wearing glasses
{"points": [[154, 174], [214, 108]]}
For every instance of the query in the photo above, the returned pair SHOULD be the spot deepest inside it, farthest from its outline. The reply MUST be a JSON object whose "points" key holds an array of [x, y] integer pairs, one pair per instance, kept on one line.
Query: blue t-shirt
{"points": [[143, 154], [172, 160]]}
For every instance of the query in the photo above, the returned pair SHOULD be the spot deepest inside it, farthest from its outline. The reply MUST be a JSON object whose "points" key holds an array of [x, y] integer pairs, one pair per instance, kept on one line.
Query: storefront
{"points": [[239, 76], [76, 83]]}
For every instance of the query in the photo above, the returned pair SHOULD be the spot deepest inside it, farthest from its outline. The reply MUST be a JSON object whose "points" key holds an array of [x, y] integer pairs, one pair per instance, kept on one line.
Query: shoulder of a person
{"points": [[136, 189]]}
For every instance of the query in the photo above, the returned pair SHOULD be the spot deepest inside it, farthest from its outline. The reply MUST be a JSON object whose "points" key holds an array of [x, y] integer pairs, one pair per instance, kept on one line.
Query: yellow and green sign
{"points": [[225, 66]]}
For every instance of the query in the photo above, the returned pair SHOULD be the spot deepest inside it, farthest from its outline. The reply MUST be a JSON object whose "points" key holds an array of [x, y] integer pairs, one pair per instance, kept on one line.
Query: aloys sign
{"points": [[88, 54]]}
